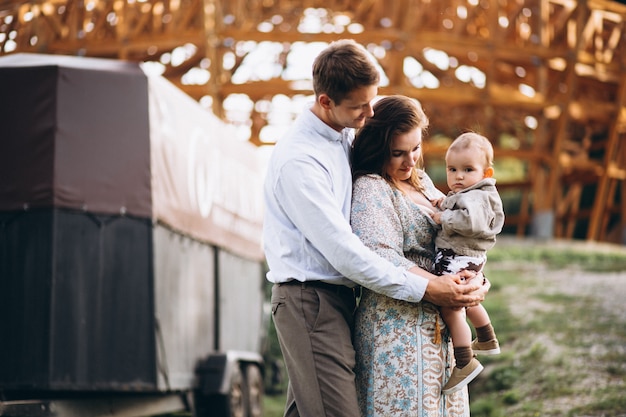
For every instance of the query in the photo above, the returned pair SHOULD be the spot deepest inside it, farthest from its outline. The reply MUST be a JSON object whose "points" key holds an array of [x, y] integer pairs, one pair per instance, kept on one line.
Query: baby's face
{"points": [[464, 168]]}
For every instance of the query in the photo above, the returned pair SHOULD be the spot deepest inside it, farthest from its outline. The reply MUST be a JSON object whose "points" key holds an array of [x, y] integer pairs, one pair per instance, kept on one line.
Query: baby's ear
{"points": [[488, 172]]}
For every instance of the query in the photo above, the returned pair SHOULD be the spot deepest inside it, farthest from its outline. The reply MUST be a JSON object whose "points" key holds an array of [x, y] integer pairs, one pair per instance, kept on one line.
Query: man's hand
{"points": [[452, 291]]}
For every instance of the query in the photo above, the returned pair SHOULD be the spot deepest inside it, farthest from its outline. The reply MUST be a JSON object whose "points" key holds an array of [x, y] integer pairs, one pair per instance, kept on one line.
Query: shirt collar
{"points": [[323, 129]]}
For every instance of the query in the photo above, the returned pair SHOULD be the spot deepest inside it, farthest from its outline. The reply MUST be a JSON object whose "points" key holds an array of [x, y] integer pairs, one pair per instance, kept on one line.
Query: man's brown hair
{"points": [[341, 68]]}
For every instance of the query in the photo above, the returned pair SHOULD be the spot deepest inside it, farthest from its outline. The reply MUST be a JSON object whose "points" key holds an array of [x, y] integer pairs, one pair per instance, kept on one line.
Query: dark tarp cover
{"points": [[101, 136], [76, 301], [74, 134], [92, 153]]}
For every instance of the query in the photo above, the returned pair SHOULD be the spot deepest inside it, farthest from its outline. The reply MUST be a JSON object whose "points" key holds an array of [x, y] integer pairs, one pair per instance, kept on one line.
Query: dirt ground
{"points": [[588, 358]]}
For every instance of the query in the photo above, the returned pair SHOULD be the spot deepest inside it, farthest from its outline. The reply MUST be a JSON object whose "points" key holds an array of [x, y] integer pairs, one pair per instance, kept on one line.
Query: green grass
{"points": [[539, 372], [611, 403], [547, 337], [561, 255], [273, 405]]}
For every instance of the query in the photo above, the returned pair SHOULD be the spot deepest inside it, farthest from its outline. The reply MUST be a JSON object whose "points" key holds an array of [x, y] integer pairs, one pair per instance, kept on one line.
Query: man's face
{"points": [[353, 109]]}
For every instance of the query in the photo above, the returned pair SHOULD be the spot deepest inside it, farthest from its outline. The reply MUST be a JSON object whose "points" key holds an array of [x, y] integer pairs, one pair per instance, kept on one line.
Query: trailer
{"points": [[131, 268]]}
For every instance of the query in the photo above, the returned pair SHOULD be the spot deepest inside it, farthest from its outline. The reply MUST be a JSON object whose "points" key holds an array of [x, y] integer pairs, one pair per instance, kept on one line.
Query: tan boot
{"points": [[462, 376], [490, 347]]}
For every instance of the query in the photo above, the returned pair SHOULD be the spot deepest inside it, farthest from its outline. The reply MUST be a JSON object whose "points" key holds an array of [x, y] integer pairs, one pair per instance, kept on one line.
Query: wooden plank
{"points": [[611, 156], [571, 53]]}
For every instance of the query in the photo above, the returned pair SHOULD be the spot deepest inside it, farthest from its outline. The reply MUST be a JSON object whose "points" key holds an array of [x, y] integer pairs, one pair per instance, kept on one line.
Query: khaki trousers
{"points": [[314, 324]]}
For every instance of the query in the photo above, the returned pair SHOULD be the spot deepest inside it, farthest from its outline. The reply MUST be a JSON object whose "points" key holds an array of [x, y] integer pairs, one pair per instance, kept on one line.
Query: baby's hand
{"points": [[437, 202], [436, 216]]}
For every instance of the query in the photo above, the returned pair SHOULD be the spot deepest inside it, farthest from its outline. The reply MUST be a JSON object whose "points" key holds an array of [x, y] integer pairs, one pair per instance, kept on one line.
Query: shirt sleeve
{"points": [[305, 190]]}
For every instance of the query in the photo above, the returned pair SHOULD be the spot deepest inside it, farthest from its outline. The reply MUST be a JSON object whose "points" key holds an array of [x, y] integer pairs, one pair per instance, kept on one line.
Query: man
{"points": [[314, 258]]}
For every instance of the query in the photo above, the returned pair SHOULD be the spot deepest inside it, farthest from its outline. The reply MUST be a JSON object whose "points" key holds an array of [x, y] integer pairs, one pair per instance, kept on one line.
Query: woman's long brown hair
{"points": [[371, 149]]}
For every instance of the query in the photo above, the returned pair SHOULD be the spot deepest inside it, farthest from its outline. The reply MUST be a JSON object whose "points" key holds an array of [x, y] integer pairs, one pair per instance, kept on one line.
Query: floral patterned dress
{"points": [[401, 365]]}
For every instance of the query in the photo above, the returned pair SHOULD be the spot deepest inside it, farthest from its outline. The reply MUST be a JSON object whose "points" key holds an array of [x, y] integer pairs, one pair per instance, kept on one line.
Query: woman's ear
{"points": [[488, 172]]}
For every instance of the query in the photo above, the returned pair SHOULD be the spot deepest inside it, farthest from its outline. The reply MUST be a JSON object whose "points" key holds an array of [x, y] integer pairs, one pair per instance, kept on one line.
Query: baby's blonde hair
{"points": [[472, 139]]}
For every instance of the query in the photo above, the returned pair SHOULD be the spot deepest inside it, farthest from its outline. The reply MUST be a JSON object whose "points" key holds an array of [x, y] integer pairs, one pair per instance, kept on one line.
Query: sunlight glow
{"points": [[153, 67], [196, 76], [356, 28], [472, 75], [461, 12], [260, 64], [265, 27], [437, 57], [419, 78], [430, 81], [527, 90], [10, 46], [412, 67], [531, 122]]}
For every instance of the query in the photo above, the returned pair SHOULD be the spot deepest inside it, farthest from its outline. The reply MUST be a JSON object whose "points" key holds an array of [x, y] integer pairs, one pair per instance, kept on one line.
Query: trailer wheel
{"points": [[218, 405], [254, 385]]}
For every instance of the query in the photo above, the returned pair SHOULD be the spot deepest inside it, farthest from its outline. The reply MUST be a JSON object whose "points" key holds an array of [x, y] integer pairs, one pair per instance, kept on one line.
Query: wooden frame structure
{"points": [[544, 79]]}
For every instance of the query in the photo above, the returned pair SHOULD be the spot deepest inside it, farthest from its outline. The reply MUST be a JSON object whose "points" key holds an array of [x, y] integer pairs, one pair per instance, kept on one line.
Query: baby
{"points": [[470, 218]]}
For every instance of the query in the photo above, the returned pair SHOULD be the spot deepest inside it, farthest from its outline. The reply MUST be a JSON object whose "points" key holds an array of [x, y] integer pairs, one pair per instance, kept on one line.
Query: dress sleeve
{"points": [[375, 219]]}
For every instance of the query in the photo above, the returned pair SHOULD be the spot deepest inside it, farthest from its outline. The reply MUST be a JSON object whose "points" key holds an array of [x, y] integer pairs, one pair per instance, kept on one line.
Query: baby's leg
{"points": [[478, 316], [457, 324], [486, 342], [467, 367]]}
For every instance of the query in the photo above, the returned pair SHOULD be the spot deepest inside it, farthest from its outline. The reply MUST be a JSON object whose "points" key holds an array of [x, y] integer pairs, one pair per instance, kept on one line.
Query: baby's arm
{"points": [[436, 215]]}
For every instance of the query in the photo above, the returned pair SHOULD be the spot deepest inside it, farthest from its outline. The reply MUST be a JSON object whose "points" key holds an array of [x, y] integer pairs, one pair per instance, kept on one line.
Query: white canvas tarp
{"points": [[205, 183]]}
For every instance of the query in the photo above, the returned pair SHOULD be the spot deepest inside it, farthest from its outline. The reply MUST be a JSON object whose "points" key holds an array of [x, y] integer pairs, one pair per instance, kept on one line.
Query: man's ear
{"points": [[488, 172], [324, 101]]}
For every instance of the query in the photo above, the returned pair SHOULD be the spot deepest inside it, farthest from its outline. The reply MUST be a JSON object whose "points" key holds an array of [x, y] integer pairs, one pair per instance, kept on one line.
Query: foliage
{"points": [[561, 255], [562, 353]]}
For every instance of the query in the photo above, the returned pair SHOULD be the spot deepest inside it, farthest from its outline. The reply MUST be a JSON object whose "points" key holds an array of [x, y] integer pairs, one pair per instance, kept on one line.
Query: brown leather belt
{"points": [[337, 288]]}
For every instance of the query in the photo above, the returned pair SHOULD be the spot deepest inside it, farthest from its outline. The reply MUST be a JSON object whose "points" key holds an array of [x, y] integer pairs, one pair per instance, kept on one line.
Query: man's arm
{"points": [[305, 192]]}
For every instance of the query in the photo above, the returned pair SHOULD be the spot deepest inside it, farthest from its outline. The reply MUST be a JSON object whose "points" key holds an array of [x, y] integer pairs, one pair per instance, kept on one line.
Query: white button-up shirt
{"points": [[306, 230]]}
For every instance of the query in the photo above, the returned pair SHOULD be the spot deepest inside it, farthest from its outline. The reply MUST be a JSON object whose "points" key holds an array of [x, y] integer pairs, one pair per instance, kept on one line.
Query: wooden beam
{"points": [[611, 157]]}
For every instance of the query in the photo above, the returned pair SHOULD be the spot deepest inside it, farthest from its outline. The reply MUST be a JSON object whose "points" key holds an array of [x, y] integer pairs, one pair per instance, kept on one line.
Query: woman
{"points": [[402, 362]]}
